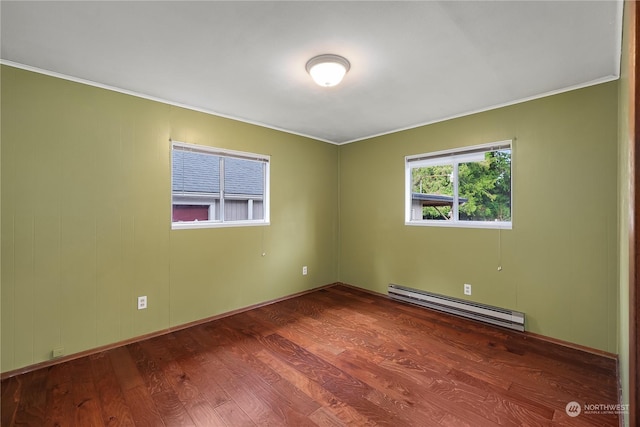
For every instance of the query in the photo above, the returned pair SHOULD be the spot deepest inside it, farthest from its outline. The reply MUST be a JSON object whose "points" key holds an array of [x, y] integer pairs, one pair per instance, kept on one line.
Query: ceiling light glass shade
{"points": [[328, 70]]}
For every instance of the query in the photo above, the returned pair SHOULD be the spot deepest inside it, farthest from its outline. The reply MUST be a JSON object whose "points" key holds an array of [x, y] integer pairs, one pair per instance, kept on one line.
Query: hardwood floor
{"points": [[337, 356]]}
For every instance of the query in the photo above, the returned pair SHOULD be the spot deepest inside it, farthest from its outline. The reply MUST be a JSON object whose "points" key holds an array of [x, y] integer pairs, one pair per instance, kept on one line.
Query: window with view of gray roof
{"points": [[213, 187]]}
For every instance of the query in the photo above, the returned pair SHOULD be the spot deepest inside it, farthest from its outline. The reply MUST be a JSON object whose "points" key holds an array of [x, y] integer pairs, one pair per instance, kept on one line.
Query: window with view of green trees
{"points": [[467, 187]]}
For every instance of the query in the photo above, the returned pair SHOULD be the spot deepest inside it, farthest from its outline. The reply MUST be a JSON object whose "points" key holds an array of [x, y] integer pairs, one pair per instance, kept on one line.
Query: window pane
{"points": [[195, 172], [195, 183], [485, 188], [243, 189], [243, 177], [432, 192]]}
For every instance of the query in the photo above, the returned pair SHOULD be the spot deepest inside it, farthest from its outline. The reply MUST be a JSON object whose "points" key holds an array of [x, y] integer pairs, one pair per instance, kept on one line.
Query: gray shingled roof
{"points": [[243, 176], [194, 172]]}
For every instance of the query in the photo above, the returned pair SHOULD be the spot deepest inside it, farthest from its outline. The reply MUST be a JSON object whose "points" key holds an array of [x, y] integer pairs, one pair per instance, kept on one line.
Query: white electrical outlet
{"points": [[304, 270], [467, 289], [142, 302]]}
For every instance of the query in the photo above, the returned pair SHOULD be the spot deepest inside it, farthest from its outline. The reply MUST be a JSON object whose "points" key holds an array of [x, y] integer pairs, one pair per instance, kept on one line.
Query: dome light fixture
{"points": [[327, 70]]}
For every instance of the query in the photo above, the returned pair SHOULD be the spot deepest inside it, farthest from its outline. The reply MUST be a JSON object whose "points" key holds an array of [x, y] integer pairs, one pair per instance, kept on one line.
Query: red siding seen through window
{"points": [[190, 213]]}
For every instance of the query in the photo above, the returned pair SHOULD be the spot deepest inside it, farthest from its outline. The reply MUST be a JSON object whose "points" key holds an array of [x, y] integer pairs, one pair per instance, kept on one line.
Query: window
{"points": [[469, 187], [211, 187]]}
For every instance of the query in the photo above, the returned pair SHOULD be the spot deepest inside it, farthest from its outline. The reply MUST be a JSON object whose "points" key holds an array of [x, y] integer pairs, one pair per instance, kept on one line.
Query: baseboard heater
{"points": [[472, 310]]}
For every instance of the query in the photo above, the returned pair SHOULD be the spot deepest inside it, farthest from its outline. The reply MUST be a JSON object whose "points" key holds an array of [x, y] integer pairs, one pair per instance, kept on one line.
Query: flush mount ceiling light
{"points": [[327, 70]]}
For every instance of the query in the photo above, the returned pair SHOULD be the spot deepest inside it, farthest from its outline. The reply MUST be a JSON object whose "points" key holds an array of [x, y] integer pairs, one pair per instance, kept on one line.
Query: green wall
{"points": [[85, 224], [559, 262], [85, 228]]}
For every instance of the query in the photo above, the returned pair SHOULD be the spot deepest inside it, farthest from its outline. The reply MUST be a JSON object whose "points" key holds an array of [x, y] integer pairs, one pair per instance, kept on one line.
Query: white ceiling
{"points": [[412, 62]]}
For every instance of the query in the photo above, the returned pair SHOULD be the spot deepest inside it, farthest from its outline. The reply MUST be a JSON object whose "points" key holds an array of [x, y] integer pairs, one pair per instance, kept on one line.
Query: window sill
{"points": [[462, 224], [215, 224]]}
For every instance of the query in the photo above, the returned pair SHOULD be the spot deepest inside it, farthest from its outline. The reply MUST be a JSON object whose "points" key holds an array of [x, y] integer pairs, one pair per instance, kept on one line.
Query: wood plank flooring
{"points": [[334, 357]]}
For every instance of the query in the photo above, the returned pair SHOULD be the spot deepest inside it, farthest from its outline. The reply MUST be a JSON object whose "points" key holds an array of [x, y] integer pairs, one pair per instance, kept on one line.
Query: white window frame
{"points": [[221, 152], [454, 157]]}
